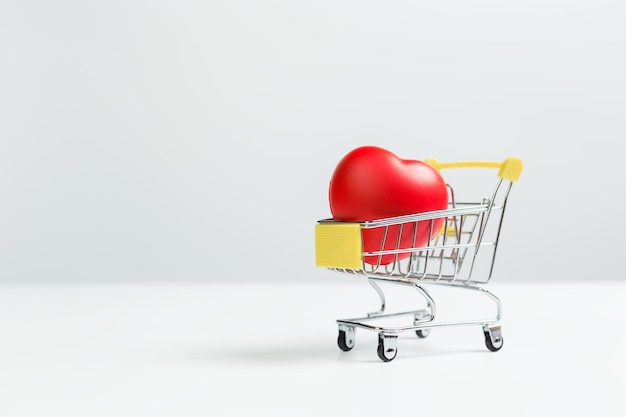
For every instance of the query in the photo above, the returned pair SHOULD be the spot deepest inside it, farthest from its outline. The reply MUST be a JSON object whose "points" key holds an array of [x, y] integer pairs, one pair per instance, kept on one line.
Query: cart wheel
{"points": [[345, 340], [421, 317], [493, 338], [422, 333], [387, 347]]}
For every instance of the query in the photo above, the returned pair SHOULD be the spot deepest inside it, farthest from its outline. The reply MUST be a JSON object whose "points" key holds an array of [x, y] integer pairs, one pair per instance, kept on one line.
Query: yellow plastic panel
{"points": [[338, 245]]}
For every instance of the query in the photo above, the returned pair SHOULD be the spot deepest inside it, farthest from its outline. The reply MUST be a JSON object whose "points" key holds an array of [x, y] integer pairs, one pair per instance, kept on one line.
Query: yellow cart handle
{"points": [[510, 169]]}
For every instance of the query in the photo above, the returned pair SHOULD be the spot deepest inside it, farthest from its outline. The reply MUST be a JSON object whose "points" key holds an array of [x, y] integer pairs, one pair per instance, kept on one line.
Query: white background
{"points": [[194, 140], [188, 145], [225, 349]]}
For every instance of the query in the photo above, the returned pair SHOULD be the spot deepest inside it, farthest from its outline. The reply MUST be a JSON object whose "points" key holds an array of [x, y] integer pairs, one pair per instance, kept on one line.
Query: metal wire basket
{"points": [[461, 252]]}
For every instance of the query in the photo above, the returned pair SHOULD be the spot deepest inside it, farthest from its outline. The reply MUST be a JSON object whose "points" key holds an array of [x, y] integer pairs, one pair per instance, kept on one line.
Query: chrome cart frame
{"points": [[460, 253]]}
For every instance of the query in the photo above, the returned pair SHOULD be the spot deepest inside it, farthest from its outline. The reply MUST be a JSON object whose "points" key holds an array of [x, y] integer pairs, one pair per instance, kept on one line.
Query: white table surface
{"points": [[270, 349]]}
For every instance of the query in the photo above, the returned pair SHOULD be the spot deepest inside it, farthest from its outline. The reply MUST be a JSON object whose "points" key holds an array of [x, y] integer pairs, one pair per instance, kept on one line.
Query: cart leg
{"points": [[345, 340], [387, 349], [493, 337], [427, 314], [381, 295]]}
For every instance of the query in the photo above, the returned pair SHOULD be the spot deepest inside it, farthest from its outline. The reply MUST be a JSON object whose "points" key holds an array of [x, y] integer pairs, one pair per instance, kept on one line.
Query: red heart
{"points": [[372, 183]]}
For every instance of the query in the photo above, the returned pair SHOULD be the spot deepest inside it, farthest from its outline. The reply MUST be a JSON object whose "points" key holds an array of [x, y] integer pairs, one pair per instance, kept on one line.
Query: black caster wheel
{"points": [[387, 348], [345, 340], [422, 333], [493, 338]]}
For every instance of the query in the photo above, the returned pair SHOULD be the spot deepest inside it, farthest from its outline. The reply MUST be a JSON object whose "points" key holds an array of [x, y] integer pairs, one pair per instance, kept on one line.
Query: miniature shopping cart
{"points": [[461, 250]]}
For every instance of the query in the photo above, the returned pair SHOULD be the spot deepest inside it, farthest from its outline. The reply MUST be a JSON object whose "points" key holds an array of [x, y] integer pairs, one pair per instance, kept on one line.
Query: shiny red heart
{"points": [[372, 183]]}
